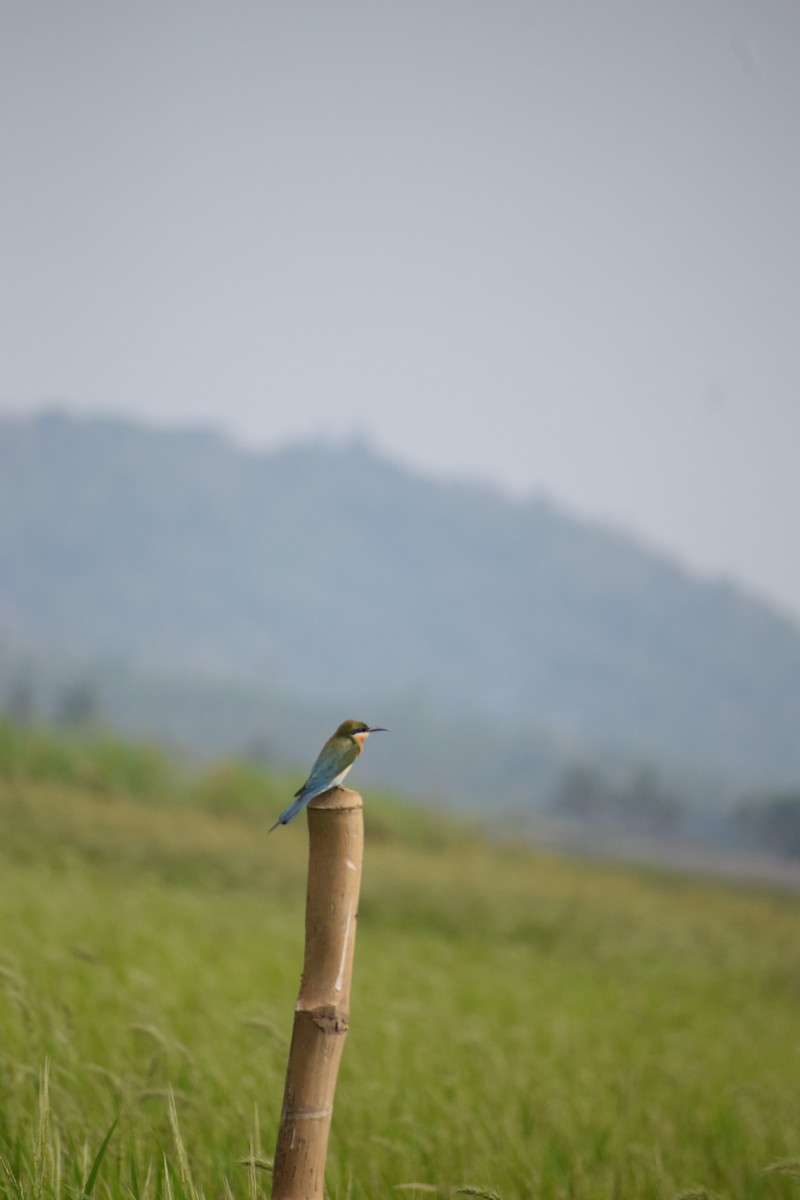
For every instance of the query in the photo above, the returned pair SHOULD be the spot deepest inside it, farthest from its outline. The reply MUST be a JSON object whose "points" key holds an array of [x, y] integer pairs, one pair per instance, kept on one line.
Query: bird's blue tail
{"points": [[291, 812]]}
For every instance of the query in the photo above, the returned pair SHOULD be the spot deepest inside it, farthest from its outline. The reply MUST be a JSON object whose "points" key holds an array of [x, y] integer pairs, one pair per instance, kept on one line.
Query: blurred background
{"points": [[432, 364]]}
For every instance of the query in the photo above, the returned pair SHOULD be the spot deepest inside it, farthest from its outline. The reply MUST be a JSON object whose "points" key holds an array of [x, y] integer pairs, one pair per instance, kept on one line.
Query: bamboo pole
{"points": [[322, 1013]]}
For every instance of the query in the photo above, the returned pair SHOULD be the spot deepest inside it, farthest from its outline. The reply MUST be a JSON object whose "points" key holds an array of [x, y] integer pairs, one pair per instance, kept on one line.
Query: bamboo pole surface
{"points": [[322, 1014]]}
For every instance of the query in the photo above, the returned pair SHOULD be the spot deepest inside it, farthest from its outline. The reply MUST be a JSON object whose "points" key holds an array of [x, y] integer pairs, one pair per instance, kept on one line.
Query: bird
{"points": [[331, 765]]}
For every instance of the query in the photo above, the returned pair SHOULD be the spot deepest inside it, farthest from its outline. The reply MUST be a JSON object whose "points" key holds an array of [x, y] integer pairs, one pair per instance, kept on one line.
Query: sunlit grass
{"points": [[522, 1025]]}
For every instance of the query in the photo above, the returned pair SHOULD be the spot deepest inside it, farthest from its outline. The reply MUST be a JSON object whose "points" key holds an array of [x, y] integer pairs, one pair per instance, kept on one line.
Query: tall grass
{"points": [[522, 1026]]}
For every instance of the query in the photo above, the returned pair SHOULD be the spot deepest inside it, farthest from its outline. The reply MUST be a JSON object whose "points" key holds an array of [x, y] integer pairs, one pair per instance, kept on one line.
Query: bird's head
{"points": [[358, 731]]}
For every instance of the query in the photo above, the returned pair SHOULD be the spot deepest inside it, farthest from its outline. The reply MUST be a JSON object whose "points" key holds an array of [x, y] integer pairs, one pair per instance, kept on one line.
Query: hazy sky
{"points": [[554, 245]]}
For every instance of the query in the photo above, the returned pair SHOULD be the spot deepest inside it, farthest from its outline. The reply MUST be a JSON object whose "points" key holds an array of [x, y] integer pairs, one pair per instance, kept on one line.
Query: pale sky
{"points": [[553, 246]]}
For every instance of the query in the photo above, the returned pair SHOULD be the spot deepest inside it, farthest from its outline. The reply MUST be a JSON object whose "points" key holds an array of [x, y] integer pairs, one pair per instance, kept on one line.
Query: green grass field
{"points": [[522, 1025]]}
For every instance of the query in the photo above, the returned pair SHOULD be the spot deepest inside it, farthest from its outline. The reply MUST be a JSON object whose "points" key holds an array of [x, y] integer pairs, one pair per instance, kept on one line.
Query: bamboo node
{"points": [[326, 1017], [329, 1019]]}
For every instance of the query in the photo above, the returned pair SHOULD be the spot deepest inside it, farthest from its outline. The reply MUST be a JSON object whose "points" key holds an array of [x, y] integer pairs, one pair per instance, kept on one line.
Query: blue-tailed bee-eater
{"points": [[332, 764]]}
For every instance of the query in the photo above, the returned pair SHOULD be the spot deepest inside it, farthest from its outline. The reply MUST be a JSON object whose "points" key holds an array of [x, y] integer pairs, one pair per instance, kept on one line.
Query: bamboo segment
{"points": [[322, 1014]]}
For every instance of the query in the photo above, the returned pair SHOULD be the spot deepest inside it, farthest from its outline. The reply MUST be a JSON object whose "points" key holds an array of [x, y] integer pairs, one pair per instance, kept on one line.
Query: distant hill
{"points": [[329, 579]]}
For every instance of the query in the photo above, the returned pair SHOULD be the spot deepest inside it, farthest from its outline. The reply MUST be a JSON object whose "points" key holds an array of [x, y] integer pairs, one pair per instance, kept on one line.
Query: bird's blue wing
{"points": [[327, 768]]}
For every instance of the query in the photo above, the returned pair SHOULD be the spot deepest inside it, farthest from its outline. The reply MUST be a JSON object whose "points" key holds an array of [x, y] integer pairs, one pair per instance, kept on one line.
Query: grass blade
{"points": [[41, 1136], [134, 1178], [98, 1158]]}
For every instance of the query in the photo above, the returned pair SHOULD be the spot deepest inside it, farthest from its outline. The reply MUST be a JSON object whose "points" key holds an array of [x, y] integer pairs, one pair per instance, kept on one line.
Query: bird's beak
{"points": [[378, 729]]}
